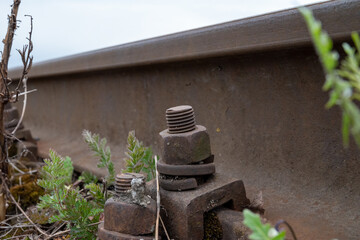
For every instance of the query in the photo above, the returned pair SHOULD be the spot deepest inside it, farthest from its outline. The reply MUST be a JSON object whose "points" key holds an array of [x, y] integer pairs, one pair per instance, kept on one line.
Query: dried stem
{"points": [[57, 234], [157, 201], [23, 212], [12, 25], [67, 231], [26, 57], [24, 107], [166, 233], [4, 94]]}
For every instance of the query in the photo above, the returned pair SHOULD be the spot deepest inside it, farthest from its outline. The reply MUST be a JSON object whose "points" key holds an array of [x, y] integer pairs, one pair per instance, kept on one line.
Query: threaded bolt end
{"points": [[123, 182], [180, 119]]}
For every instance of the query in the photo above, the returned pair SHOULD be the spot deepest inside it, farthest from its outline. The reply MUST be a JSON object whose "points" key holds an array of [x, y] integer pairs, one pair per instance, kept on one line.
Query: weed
{"points": [[98, 146], [70, 206], [139, 158], [342, 81], [261, 231]]}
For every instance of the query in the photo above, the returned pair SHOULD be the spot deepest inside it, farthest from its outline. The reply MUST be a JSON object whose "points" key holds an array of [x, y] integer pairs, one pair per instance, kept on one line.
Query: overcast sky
{"points": [[66, 27]]}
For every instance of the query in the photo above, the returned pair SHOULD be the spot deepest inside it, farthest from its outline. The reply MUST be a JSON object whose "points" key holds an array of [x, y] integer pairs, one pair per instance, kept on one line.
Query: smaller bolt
{"points": [[123, 182]]}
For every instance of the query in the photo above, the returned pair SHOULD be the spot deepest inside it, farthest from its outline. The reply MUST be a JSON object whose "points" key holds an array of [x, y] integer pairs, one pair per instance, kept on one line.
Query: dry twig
{"points": [[7, 96], [27, 60], [166, 233], [67, 231], [157, 201], [4, 98]]}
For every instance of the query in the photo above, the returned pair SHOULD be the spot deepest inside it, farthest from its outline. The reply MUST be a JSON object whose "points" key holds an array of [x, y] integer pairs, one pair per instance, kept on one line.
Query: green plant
{"points": [[261, 231], [98, 146], [88, 178], [56, 172], [342, 81], [139, 158], [96, 191], [69, 204]]}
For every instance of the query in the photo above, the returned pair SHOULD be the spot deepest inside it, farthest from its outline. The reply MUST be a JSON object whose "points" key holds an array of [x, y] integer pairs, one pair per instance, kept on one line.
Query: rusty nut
{"points": [[185, 148], [129, 218]]}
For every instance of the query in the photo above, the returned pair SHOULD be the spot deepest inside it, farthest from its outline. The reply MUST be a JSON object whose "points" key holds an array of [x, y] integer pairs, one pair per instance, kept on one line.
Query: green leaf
{"points": [[88, 177], [259, 231], [356, 40], [98, 146], [280, 236], [57, 171], [334, 96], [252, 221], [95, 190], [139, 158]]}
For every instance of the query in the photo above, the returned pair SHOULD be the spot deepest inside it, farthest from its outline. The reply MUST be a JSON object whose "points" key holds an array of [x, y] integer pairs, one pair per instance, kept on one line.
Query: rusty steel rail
{"points": [[255, 83]]}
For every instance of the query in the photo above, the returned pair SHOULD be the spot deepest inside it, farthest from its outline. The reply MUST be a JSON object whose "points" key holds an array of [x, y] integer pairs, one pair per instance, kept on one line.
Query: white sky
{"points": [[65, 27]]}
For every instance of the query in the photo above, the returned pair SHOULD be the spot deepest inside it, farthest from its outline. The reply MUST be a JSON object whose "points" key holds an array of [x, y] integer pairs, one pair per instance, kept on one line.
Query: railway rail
{"points": [[255, 83]]}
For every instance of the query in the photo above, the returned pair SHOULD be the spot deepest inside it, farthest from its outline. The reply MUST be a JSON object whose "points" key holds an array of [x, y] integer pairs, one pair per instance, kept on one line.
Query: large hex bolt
{"points": [[184, 142], [186, 153], [130, 214]]}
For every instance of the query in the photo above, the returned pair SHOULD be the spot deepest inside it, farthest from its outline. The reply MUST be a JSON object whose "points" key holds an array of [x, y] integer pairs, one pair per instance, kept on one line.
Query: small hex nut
{"points": [[185, 148], [129, 218]]}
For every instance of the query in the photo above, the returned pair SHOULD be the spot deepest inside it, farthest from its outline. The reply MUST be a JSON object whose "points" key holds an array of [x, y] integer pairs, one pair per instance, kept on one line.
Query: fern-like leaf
{"points": [[98, 146], [139, 158]]}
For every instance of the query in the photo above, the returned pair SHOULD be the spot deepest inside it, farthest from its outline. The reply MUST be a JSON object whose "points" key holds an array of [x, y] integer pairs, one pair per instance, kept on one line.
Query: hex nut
{"points": [[104, 234], [129, 218], [185, 148]]}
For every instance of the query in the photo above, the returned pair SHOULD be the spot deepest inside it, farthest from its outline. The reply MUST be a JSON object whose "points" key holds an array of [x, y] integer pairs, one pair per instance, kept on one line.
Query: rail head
{"points": [[283, 29]]}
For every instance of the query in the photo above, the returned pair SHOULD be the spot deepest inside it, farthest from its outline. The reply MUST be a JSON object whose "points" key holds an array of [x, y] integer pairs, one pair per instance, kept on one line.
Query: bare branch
{"points": [[24, 106], [4, 98], [157, 201], [26, 58], [9, 36]]}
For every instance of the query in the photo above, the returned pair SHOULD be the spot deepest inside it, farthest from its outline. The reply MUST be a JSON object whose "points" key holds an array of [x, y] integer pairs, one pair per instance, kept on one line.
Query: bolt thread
{"points": [[180, 119], [123, 182]]}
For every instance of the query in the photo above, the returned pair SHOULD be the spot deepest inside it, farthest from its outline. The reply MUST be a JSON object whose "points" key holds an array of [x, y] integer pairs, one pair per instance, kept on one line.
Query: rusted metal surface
{"points": [[104, 234], [11, 118], [185, 151], [129, 218], [284, 29], [129, 213], [204, 190], [255, 83], [178, 184], [185, 147], [28, 149], [23, 140], [25, 135], [184, 215], [232, 224], [180, 119], [186, 170], [123, 181]]}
